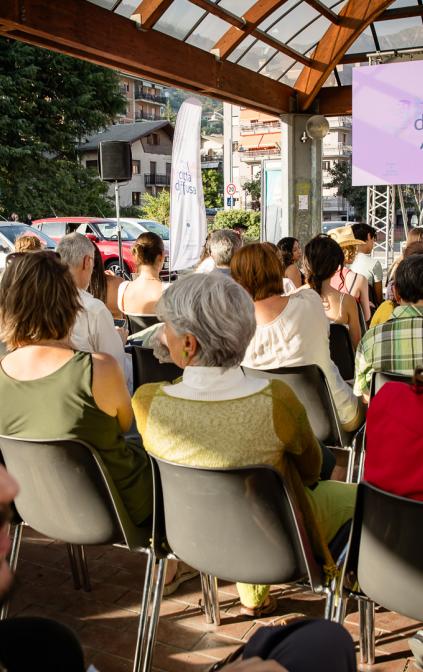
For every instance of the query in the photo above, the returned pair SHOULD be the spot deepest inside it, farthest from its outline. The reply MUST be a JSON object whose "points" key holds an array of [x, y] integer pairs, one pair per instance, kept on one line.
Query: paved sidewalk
{"points": [[106, 619]]}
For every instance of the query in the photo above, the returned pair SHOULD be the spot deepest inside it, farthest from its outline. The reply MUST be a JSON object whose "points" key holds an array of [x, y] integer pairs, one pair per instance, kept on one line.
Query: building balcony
{"points": [[336, 149], [257, 154], [212, 156], [144, 116], [259, 127], [334, 204], [142, 94], [156, 180], [340, 122]]}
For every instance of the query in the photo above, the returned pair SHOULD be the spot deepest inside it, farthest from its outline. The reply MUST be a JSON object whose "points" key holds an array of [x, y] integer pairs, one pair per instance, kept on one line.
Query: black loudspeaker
{"points": [[115, 161]]}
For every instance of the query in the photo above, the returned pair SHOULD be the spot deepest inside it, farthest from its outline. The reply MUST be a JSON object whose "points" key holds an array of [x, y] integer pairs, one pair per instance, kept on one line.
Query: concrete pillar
{"points": [[301, 179]]}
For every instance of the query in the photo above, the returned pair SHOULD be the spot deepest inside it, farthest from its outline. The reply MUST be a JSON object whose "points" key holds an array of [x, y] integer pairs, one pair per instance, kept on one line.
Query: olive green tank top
{"points": [[61, 405]]}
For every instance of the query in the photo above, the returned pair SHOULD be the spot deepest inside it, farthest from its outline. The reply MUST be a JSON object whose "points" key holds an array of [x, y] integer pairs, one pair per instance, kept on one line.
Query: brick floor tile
{"points": [[171, 659], [107, 663], [230, 626], [175, 634], [86, 609], [217, 647], [41, 611], [108, 640], [401, 665]]}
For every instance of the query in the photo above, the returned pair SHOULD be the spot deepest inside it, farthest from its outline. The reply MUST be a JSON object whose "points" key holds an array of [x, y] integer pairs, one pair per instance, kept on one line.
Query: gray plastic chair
{"points": [[386, 556], [148, 369], [341, 350], [311, 387], [379, 378], [67, 494], [235, 524], [137, 323]]}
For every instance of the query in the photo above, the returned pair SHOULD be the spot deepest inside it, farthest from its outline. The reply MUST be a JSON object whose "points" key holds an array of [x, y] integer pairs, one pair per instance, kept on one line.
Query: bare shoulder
{"points": [[113, 280], [105, 364], [349, 302]]}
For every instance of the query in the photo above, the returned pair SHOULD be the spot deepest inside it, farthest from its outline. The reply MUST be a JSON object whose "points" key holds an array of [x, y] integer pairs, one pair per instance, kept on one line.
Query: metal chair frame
{"points": [[365, 519], [339, 338], [311, 569], [123, 532]]}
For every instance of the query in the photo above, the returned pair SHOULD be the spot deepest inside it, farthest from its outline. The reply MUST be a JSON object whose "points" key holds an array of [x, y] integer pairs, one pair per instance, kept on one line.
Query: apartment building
{"points": [[146, 101], [251, 136]]}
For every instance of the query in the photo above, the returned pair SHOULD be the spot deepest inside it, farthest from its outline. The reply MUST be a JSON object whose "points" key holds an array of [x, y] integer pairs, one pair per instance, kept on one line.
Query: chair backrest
{"points": [[310, 385], [379, 378], [341, 350], [236, 524], [67, 494], [363, 324], [386, 551], [148, 369], [139, 322]]}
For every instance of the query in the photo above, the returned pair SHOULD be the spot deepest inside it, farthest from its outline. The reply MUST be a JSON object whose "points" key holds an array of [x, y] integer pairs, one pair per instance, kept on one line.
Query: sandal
{"points": [[265, 609], [183, 573]]}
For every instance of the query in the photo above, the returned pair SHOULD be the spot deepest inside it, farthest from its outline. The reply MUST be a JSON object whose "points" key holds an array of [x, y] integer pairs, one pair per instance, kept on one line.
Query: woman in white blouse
{"points": [[291, 330]]}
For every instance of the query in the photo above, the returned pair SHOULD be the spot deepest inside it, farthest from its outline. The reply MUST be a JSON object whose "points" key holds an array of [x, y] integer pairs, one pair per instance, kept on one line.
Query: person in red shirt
{"points": [[394, 439]]}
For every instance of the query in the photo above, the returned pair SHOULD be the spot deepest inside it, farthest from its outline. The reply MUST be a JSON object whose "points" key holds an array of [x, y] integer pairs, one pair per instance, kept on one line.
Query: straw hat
{"points": [[344, 236]]}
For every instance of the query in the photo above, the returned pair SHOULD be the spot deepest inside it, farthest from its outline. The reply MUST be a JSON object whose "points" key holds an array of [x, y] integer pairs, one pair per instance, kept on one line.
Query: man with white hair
{"points": [[94, 329], [223, 245]]}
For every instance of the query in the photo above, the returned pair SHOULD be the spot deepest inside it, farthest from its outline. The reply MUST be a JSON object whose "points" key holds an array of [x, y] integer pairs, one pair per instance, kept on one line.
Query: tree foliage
{"points": [[48, 103], [230, 219], [340, 174], [212, 187], [253, 189], [156, 207]]}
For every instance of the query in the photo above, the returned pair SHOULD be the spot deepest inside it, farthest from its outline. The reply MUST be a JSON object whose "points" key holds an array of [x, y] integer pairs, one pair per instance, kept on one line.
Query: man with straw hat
{"points": [[345, 280]]}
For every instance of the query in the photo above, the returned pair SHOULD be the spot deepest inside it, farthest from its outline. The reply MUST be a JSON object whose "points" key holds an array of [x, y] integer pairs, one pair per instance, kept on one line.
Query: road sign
{"points": [[230, 189], [230, 201]]}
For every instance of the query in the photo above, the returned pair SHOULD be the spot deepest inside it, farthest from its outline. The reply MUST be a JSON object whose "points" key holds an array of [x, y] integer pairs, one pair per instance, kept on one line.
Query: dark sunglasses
{"points": [[17, 255]]}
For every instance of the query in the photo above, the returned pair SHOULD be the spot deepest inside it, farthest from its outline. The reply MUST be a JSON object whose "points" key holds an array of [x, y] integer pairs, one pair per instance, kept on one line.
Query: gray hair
{"points": [[223, 245], [216, 310], [73, 248]]}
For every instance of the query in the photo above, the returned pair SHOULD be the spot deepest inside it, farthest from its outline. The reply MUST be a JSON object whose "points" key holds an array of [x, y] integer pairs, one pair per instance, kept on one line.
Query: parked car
{"points": [[9, 231], [103, 232], [334, 224]]}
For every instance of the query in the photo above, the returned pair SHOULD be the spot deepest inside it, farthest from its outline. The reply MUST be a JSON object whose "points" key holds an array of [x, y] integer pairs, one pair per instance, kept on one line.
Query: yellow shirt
{"points": [[383, 313]]}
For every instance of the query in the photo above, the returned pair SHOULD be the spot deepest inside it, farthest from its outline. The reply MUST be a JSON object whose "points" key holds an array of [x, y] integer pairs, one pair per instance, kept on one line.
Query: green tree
{"points": [[230, 219], [253, 189], [156, 207], [49, 103], [340, 174], [212, 187]]}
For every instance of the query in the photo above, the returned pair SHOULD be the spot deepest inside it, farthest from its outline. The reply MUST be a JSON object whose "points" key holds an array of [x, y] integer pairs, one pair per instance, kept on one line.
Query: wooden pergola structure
{"points": [[272, 55]]}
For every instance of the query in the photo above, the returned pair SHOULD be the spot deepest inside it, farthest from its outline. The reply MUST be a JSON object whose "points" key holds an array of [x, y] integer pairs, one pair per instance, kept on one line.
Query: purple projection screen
{"points": [[387, 135]]}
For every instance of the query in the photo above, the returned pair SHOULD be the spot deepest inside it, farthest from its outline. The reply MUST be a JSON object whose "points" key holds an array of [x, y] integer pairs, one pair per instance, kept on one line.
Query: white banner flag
{"points": [[188, 224]]}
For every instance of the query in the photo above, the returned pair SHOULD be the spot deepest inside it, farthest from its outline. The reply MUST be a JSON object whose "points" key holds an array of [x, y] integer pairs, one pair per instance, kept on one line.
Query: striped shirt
{"points": [[395, 345]]}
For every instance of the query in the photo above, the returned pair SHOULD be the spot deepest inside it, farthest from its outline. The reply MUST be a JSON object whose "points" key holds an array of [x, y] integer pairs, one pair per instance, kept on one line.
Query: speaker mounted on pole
{"points": [[115, 161]]}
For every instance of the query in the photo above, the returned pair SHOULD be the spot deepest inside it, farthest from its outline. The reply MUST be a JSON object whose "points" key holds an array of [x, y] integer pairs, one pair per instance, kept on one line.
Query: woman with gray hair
{"points": [[217, 417]]}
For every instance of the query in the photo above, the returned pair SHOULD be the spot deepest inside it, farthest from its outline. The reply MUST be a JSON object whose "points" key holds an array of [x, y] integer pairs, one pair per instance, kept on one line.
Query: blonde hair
{"points": [[350, 253], [27, 243]]}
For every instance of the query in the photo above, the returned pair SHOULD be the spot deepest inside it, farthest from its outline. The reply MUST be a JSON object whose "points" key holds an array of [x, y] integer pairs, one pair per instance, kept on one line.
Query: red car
{"points": [[103, 232]]}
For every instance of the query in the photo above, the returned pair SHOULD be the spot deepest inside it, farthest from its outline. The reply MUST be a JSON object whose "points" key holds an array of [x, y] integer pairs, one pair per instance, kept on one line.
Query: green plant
{"points": [[212, 187], [230, 219], [340, 174], [156, 207], [253, 188]]}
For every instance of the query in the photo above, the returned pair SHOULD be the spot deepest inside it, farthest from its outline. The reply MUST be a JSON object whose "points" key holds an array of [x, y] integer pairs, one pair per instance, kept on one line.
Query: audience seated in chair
{"points": [[217, 417], [291, 330], [291, 254], [140, 296], [348, 281], [104, 285], [223, 245], [49, 390], [288, 285], [396, 345], [94, 329], [367, 265], [322, 258]]}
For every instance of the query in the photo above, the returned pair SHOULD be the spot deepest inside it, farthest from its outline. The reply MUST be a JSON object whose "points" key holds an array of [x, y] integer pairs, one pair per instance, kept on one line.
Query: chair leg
{"points": [[350, 465], [214, 599], [154, 618], [362, 610], [74, 566], [370, 632], [208, 610], [86, 583], [13, 563], [145, 603]]}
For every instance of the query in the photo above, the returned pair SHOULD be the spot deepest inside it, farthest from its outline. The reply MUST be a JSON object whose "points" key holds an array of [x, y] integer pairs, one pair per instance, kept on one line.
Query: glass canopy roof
{"points": [[279, 44]]}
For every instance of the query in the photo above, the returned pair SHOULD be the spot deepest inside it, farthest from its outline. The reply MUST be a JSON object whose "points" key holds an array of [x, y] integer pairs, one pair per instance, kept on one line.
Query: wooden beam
{"points": [[401, 13], [334, 101], [82, 29], [149, 12], [333, 46]]}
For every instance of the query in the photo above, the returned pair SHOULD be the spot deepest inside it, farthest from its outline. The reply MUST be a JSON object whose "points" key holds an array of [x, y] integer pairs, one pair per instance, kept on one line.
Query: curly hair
{"points": [[286, 246], [26, 243]]}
